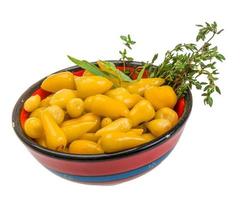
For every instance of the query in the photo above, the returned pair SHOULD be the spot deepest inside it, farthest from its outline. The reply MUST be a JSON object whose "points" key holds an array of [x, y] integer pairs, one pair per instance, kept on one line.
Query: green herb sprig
{"points": [[128, 42], [185, 66], [105, 69], [188, 64]]}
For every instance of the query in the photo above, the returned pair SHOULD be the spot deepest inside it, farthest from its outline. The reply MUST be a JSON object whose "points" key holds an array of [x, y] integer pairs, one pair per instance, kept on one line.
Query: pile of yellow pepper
{"points": [[88, 115]]}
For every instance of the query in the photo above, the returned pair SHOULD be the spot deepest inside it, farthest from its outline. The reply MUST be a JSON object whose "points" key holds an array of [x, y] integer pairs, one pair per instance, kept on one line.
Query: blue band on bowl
{"points": [[114, 177]]}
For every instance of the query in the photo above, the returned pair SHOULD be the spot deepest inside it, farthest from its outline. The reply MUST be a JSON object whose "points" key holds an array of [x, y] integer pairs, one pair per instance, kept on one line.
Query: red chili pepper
{"points": [[179, 108]]}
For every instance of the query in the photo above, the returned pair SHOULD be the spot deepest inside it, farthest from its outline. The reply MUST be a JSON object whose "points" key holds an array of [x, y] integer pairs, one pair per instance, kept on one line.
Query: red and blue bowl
{"points": [[102, 168]]}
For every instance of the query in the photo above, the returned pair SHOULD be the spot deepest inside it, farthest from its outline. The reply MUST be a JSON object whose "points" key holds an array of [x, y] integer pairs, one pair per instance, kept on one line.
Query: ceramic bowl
{"points": [[102, 168]]}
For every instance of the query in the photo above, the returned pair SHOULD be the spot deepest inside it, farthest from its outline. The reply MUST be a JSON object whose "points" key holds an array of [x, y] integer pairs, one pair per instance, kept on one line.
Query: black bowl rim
{"points": [[95, 157]]}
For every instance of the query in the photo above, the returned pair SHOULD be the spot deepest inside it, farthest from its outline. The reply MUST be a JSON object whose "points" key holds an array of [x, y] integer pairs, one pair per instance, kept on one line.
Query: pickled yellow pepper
{"points": [[55, 137]]}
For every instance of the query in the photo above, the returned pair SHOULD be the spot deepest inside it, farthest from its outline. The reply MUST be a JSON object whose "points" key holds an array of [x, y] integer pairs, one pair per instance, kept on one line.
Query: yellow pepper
{"points": [[143, 111], [33, 127], [61, 97], [41, 141], [118, 141], [75, 107], [89, 136], [105, 106], [85, 147], [137, 131], [32, 103], [58, 81], [55, 137], [88, 117], [87, 73], [63, 150], [106, 121], [148, 136], [159, 127], [37, 112], [74, 131], [167, 113], [119, 125], [140, 86], [92, 85], [124, 96], [160, 97], [57, 113], [46, 101]]}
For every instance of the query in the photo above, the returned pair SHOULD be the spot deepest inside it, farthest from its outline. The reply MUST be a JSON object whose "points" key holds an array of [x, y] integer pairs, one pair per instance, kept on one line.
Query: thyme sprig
{"points": [[128, 42], [188, 64]]}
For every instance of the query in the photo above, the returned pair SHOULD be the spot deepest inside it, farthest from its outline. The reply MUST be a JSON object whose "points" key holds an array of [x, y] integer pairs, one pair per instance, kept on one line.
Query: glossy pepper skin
{"points": [[106, 121], [88, 117], [148, 136], [89, 136], [37, 112], [58, 81], [32, 103], [33, 127], [160, 97], [159, 127], [119, 125], [137, 131], [41, 141], [85, 147], [140, 86], [167, 113], [62, 97], [106, 106], [92, 85], [57, 113], [118, 141], [75, 130], [143, 111], [46, 102], [55, 137], [124, 96], [75, 107]]}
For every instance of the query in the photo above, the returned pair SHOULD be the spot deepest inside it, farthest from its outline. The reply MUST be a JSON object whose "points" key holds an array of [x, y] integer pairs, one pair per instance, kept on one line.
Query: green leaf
{"points": [[111, 68], [140, 74], [130, 39], [87, 66], [124, 77], [129, 58], [154, 58], [220, 57], [220, 31], [217, 89], [206, 88], [203, 83], [108, 68], [128, 45], [124, 38], [209, 101]]}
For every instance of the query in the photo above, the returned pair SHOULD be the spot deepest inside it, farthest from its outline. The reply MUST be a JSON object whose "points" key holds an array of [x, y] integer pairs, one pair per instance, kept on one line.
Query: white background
{"points": [[35, 37]]}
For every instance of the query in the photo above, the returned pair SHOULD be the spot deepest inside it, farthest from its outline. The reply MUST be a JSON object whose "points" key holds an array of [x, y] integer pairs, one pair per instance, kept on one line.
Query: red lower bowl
{"points": [[101, 168]]}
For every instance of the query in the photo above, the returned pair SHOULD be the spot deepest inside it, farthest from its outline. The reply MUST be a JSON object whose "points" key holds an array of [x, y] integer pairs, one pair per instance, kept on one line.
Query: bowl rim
{"points": [[16, 124]]}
